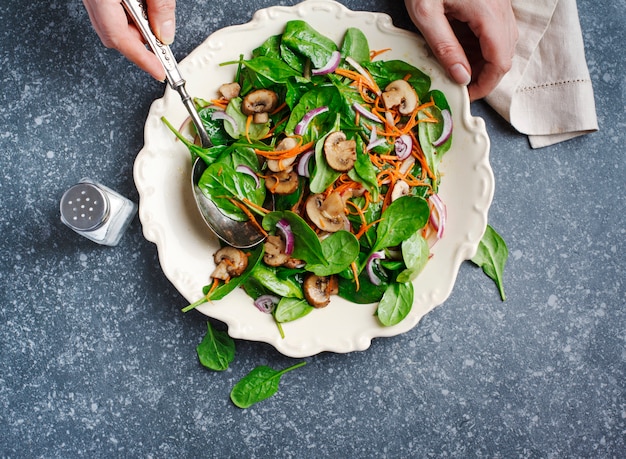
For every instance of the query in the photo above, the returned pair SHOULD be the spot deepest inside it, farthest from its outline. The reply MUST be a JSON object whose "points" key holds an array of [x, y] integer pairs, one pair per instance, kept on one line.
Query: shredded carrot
{"points": [[248, 123], [252, 205], [355, 272], [279, 108], [249, 214], [221, 103], [284, 154], [375, 53], [216, 283]]}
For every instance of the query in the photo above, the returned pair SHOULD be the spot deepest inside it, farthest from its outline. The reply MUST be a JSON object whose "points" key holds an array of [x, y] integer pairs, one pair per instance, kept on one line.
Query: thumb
{"points": [[436, 30], [161, 14]]}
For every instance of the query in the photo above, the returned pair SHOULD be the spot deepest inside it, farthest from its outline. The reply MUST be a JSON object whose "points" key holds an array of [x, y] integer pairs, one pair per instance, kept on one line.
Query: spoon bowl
{"points": [[241, 235]]}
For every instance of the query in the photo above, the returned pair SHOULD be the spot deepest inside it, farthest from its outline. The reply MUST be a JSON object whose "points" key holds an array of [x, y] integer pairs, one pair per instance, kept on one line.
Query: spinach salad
{"points": [[345, 147]]}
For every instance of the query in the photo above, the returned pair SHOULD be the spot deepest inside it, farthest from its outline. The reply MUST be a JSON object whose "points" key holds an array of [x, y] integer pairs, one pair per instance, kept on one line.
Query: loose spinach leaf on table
{"points": [[217, 349], [491, 256], [260, 384]]}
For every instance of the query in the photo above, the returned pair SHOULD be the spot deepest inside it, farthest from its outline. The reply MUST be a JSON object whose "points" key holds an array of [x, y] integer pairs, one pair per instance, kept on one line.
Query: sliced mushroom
{"points": [[327, 214], [279, 165], [259, 103], [282, 182], [275, 251], [230, 262], [230, 90], [400, 188], [318, 289], [400, 93], [340, 153]]}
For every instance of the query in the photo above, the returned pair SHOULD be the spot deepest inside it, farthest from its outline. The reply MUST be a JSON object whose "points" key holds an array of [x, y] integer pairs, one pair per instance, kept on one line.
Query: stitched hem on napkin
{"points": [[563, 100]]}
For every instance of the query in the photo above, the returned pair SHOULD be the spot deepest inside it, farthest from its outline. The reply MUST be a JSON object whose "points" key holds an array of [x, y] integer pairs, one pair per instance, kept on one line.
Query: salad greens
{"points": [[347, 146], [491, 256]]}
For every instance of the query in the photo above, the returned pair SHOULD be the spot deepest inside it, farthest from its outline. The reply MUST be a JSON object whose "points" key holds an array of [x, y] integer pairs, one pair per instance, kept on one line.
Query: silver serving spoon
{"points": [[238, 234]]}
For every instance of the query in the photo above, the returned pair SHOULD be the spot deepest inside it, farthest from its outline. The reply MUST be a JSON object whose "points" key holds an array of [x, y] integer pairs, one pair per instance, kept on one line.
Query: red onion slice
{"points": [[242, 168], [447, 128], [303, 163], [302, 126], [374, 279], [285, 228], [403, 146], [330, 66], [266, 303], [439, 217], [365, 112], [222, 115], [363, 73]]}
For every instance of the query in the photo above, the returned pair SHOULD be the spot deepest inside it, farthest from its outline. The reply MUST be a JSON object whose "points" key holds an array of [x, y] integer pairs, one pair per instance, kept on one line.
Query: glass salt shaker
{"points": [[96, 212]]}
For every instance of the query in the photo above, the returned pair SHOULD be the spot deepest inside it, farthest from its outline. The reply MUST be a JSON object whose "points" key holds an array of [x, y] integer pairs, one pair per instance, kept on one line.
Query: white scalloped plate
{"points": [[186, 246]]}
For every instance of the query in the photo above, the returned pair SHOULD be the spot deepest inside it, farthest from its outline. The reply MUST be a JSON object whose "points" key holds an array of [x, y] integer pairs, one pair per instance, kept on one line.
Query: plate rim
{"points": [[201, 57]]}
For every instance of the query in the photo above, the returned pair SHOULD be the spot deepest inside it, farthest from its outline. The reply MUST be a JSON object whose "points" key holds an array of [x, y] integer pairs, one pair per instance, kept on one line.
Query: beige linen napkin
{"points": [[547, 94]]}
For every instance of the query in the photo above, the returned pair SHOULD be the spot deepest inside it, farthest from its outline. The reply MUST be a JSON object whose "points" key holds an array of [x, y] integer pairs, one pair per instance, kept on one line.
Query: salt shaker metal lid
{"points": [[84, 207]]}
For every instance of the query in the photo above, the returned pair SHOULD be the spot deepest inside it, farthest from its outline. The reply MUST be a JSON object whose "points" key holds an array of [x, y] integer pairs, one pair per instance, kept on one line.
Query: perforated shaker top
{"points": [[84, 207]]}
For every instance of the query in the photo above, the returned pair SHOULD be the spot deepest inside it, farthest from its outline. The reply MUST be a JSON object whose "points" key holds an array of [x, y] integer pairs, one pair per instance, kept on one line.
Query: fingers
{"points": [[494, 29], [110, 22], [430, 19], [162, 19]]}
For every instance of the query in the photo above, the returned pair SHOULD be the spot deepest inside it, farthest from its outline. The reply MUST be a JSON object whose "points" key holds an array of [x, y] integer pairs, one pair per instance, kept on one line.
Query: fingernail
{"points": [[168, 29], [460, 74]]}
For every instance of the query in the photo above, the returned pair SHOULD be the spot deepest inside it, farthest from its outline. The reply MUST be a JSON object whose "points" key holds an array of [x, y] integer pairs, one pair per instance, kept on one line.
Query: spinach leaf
{"points": [[261, 383], [216, 350], [216, 129], [340, 250], [367, 292], [491, 256], [323, 175], [300, 37], [273, 69], [289, 309], [224, 289], [415, 253], [208, 155], [256, 130], [269, 48], [355, 45], [307, 246], [325, 96], [401, 219], [384, 72], [220, 183], [364, 171], [281, 287], [429, 132], [395, 304]]}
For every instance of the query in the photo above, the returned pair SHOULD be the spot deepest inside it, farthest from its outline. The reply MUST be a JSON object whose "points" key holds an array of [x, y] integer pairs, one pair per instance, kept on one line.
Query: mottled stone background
{"points": [[96, 359]]}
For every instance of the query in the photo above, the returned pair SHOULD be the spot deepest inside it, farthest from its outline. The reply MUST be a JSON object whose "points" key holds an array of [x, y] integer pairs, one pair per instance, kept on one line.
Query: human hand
{"points": [[110, 22], [473, 40]]}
